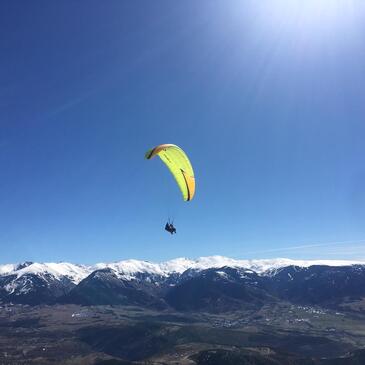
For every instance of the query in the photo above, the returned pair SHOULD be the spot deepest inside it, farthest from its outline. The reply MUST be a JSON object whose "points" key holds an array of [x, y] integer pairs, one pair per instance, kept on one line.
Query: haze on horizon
{"points": [[266, 98]]}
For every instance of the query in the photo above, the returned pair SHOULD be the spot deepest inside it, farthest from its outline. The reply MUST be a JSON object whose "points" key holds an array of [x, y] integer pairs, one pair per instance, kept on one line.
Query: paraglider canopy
{"points": [[179, 165]]}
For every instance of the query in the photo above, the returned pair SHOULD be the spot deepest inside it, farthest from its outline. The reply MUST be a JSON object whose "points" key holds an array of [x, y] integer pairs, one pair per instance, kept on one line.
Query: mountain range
{"points": [[214, 283]]}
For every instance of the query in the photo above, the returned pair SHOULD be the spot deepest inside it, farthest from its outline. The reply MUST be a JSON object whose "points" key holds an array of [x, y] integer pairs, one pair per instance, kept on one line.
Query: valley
{"points": [[73, 334]]}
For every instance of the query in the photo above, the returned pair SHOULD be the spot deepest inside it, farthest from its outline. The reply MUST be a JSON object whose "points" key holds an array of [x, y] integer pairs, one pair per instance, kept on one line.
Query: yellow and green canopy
{"points": [[178, 163]]}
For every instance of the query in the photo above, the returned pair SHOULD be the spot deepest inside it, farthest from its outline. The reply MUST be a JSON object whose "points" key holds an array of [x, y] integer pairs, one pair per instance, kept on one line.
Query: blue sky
{"points": [[267, 98]]}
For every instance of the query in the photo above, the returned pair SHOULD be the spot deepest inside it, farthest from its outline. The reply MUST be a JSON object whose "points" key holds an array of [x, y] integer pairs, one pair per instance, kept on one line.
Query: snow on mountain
{"points": [[58, 270], [270, 266], [6, 269], [75, 273], [262, 266], [128, 269]]}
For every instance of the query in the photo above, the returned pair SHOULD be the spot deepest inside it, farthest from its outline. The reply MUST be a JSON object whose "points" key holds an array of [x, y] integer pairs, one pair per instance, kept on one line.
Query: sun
{"points": [[311, 17]]}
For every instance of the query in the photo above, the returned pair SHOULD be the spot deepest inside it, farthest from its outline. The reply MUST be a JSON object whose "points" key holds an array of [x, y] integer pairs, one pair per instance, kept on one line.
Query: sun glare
{"points": [[309, 15]]}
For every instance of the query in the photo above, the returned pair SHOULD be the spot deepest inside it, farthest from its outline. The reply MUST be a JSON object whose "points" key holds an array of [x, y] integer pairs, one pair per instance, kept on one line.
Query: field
{"points": [[71, 334]]}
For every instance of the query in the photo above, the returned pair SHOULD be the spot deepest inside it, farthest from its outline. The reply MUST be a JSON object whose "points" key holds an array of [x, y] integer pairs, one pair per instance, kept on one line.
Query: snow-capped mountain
{"points": [[147, 283], [73, 272], [39, 282], [128, 269]]}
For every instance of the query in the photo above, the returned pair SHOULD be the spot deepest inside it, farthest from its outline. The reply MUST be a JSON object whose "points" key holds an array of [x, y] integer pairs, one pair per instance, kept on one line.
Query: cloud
{"points": [[316, 245]]}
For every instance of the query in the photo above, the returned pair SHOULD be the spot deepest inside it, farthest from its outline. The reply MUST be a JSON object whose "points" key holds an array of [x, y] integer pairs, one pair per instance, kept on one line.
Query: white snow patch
{"points": [[7, 269], [222, 274]]}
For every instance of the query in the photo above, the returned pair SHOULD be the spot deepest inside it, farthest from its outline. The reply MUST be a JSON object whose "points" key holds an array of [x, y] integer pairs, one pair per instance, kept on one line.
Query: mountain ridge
{"points": [[213, 283], [128, 268]]}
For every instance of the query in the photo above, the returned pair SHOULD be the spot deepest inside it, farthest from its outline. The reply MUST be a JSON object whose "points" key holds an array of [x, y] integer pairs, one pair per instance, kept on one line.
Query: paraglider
{"points": [[180, 167], [169, 227]]}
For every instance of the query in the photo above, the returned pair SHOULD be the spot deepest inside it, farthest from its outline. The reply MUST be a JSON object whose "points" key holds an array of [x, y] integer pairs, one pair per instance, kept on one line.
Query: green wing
{"points": [[178, 163]]}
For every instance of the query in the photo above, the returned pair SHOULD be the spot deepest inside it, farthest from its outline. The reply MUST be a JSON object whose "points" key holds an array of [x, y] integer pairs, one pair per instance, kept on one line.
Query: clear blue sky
{"points": [[266, 97]]}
